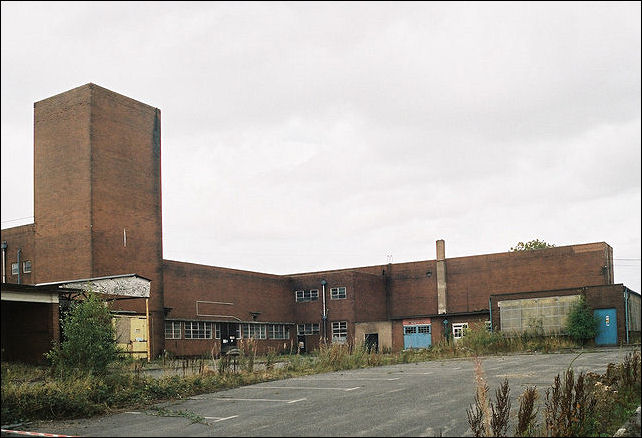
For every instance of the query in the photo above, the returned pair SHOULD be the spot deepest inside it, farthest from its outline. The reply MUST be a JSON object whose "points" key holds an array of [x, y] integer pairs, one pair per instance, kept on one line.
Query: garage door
{"points": [[417, 336]]}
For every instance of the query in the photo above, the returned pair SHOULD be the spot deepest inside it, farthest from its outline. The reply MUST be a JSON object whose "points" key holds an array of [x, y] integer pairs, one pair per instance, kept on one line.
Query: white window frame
{"points": [[198, 330], [310, 328], [304, 296], [340, 332], [459, 328], [338, 293], [278, 331], [174, 331], [15, 269], [26, 270], [253, 331], [217, 330]]}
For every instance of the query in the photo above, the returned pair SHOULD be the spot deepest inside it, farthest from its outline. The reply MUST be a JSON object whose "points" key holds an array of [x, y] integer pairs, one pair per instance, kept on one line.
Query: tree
{"points": [[581, 325], [88, 338], [531, 245]]}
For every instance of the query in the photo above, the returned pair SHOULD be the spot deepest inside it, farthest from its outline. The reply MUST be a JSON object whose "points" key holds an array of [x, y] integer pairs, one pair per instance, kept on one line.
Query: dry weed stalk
{"points": [[527, 413], [479, 417], [501, 410]]}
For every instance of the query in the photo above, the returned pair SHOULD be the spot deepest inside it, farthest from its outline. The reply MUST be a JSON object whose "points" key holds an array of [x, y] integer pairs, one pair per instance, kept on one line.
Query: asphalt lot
{"points": [[423, 399]]}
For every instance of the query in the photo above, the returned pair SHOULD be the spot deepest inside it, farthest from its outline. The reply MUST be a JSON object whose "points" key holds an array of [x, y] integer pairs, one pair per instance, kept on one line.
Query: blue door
{"points": [[417, 336], [607, 330]]}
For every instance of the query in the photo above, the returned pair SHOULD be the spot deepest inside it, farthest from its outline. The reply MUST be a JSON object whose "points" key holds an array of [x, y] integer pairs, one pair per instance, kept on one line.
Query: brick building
{"points": [[97, 213]]}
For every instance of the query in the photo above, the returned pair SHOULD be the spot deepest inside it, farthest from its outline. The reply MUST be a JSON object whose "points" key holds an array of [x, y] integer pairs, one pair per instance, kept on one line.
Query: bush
{"points": [[89, 343], [581, 325]]}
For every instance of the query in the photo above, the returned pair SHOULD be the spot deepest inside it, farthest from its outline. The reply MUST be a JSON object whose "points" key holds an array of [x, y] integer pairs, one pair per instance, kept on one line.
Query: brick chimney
{"points": [[441, 276]]}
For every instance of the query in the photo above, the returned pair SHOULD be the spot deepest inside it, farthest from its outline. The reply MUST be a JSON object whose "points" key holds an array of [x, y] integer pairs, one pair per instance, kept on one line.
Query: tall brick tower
{"points": [[97, 192]]}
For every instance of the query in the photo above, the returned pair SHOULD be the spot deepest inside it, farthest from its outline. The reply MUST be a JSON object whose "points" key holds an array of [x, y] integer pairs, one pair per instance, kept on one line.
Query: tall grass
{"points": [[588, 404]]}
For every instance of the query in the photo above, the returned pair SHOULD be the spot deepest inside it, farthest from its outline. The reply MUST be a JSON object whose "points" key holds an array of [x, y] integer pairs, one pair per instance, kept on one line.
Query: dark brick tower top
{"points": [[97, 191]]}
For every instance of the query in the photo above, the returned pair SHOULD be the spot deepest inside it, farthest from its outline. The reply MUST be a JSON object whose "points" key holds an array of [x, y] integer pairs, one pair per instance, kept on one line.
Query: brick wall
{"points": [[62, 186], [20, 237], [225, 295], [597, 297]]}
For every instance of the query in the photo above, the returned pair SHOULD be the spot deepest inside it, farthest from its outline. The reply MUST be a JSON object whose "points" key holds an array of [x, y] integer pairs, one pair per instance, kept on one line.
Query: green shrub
{"points": [[89, 343], [581, 325]]}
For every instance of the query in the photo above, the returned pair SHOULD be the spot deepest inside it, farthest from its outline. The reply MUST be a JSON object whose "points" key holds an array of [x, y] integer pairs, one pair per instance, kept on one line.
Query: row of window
{"points": [[212, 330], [26, 267], [339, 330], [459, 329], [336, 293], [209, 330]]}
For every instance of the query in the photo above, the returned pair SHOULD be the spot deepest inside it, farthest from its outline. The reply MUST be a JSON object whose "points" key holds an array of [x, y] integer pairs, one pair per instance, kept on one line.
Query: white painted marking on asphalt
{"points": [[301, 387], [134, 413], [256, 399], [297, 400], [357, 378], [390, 392], [217, 419]]}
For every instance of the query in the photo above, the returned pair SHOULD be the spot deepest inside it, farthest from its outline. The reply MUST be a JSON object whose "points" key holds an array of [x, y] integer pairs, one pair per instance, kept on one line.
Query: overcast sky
{"points": [[309, 136]]}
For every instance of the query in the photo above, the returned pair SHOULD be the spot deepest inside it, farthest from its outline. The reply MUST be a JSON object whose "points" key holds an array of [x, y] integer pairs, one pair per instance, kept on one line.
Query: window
{"points": [[410, 330], [337, 293], [308, 329], [256, 331], [198, 330], [26, 266], [340, 331], [172, 330], [217, 331], [278, 331], [14, 269], [423, 329], [303, 296], [459, 330]]}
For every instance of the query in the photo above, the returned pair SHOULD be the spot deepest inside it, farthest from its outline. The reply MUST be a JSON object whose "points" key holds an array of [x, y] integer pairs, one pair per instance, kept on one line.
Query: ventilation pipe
{"points": [[19, 253], [441, 277], [4, 261], [325, 312]]}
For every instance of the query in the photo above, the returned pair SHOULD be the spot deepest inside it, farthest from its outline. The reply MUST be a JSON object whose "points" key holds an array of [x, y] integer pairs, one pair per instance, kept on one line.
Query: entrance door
{"points": [[417, 336], [301, 343], [372, 342], [228, 336], [607, 330]]}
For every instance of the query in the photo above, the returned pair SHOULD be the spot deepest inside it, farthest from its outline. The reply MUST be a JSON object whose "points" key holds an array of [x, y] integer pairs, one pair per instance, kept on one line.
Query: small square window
{"points": [[14, 269], [337, 293], [26, 266]]}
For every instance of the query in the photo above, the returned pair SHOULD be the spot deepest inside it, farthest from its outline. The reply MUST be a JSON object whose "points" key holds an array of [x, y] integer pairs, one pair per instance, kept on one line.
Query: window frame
{"points": [[15, 268], [305, 296], [24, 267], [202, 327], [341, 328], [278, 331], [459, 326], [249, 330], [312, 326], [173, 329], [338, 293]]}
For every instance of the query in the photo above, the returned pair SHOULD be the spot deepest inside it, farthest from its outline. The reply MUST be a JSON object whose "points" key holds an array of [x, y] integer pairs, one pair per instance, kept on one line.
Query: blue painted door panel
{"points": [[607, 330], [417, 336]]}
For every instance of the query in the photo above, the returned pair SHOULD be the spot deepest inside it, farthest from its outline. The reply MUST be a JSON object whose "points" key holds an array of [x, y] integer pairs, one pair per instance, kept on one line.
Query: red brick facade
{"points": [[98, 213]]}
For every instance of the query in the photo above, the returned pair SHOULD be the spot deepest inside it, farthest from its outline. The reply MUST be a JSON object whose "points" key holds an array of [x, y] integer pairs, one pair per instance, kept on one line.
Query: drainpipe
{"points": [[4, 261], [626, 313], [19, 252], [325, 313], [490, 310]]}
